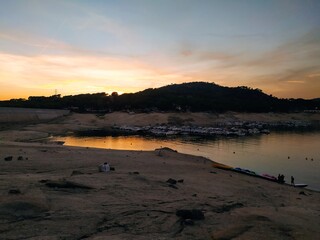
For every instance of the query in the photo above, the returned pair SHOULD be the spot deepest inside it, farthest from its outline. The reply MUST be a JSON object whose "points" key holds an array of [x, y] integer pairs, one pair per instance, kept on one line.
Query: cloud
{"points": [[304, 50], [290, 83], [103, 23], [79, 74], [314, 75], [41, 45], [237, 36], [88, 18], [196, 55], [296, 81], [27, 39]]}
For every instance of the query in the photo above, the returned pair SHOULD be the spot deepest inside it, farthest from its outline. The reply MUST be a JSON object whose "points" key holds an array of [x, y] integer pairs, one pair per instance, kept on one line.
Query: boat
{"points": [[269, 177], [245, 171], [300, 185], [221, 166]]}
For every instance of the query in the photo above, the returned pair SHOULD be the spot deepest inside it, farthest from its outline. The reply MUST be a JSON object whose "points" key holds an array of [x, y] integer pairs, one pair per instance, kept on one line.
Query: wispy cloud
{"points": [[198, 55], [296, 81], [27, 39], [305, 49], [237, 36], [314, 75], [92, 19], [103, 23], [79, 74], [45, 46]]}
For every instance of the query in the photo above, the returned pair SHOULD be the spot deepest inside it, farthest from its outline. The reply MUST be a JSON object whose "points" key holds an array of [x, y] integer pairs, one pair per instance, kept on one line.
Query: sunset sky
{"points": [[79, 46]]}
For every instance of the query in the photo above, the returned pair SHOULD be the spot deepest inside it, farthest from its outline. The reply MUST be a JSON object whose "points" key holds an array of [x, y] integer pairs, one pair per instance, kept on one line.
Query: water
{"points": [[292, 154]]}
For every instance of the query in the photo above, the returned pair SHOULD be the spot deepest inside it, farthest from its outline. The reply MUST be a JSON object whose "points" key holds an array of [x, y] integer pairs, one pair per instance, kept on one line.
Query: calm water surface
{"points": [[296, 154]]}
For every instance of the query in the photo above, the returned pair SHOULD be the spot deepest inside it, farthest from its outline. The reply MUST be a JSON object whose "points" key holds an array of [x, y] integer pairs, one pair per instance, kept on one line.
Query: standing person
{"points": [[292, 180], [282, 179]]}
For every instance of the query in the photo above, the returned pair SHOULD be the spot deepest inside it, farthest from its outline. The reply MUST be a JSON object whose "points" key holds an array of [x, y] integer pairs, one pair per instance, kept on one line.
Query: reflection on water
{"points": [[294, 154]]}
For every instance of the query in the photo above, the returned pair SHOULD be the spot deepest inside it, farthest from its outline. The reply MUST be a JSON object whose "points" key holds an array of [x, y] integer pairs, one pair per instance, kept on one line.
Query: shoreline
{"points": [[258, 158], [52, 191]]}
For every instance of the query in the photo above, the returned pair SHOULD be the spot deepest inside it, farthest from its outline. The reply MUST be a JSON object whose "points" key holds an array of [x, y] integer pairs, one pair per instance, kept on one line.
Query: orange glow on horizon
{"points": [[40, 75]]}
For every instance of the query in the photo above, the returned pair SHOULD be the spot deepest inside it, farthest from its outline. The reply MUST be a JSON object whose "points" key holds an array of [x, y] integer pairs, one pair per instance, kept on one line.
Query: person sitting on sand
{"points": [[104, 167]]}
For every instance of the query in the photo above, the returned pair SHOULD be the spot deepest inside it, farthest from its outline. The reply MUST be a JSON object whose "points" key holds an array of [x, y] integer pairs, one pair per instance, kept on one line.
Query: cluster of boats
{"points": [[232, 128], [254, 174], [166, 130]]}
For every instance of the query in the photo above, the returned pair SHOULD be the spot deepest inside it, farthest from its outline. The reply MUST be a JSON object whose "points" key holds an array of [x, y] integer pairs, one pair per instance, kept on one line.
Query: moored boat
{"points": [[221, 166], [269, 177], [301, 185], [245, 171]]}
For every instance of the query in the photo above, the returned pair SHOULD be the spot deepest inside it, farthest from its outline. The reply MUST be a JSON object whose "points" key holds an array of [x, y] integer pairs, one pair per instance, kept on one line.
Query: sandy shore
{"points": [[136, 202], [57, 192]]}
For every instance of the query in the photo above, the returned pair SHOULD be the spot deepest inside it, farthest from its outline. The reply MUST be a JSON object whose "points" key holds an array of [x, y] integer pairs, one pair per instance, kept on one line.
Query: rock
{"points": [[66, 184], [188, 222], [171, 181], [21, 210], [14, 191], [302, 193], [75, 172], [20, 158], [180, 181], [194, 214], [173, 186], [112, 169], [194, 195], [166, 149], [137, 173], [227, 208], [9, 158]]}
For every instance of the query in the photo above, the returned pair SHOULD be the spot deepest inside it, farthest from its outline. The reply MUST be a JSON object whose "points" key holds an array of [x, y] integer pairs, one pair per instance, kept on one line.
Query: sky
{"points": [[87, 46]]}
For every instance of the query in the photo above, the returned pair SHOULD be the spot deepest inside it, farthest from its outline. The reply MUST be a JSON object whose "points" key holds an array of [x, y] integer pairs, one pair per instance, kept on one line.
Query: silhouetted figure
{"points": [[280, 178], [292, 180]]}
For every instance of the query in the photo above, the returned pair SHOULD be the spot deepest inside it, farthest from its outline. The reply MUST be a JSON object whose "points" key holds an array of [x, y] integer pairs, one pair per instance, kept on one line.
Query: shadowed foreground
{"points": [[57, 192]]}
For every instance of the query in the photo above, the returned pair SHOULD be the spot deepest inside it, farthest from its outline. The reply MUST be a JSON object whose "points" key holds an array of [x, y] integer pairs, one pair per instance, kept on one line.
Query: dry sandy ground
{"points": [[136, 202], [26, 114], [57, 192]]}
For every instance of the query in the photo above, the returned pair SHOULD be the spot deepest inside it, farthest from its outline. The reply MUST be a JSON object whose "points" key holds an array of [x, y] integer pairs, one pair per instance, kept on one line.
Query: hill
{"points": [[200, 96], [194, 97]]}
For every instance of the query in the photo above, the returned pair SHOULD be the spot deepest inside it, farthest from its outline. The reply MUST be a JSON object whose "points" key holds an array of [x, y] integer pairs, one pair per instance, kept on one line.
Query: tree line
{"points": [[195, 97]]}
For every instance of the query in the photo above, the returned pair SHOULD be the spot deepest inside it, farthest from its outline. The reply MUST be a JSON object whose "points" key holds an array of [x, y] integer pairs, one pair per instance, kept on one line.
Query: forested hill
{"points": [[195, 96], [200, 96]]}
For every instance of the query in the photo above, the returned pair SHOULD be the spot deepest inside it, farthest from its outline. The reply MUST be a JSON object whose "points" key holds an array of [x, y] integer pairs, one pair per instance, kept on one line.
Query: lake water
{"points": [[289, 153]]}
